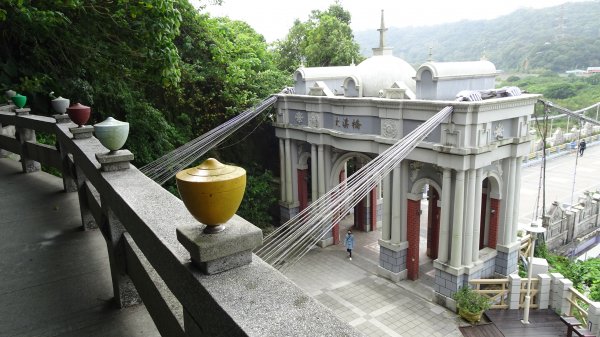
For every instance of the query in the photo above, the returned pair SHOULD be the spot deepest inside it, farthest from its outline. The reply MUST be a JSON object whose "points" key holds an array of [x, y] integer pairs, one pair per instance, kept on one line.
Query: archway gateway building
{"points": [[339, 118]]}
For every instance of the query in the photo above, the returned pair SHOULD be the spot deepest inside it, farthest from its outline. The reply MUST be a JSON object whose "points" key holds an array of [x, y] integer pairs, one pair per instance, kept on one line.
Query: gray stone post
{"points": [[124, 290], [67, 170], [24, 136], [565, 294], [555, 294], [594, 318], [514, 291], [87, 219], [544, 290]]}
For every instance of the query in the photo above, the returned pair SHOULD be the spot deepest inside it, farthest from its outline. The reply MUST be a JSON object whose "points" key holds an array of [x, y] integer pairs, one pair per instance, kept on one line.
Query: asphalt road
{"points": [[566, 180]]}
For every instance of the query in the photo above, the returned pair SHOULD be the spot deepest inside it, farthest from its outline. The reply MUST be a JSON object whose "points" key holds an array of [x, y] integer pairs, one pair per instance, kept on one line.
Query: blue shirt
{"points": [[349, 242]]}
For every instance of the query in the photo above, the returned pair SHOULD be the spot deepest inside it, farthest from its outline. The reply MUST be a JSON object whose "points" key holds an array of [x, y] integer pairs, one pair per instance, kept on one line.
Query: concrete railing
{"points": [[140, 220]]}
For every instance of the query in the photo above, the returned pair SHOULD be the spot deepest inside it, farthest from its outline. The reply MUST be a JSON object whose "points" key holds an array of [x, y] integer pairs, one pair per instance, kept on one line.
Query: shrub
{"points": [[469, 300]]}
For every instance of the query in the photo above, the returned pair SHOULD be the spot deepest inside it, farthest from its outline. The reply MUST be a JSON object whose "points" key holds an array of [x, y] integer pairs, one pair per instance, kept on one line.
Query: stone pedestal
{"points": [[82, 132], [23, 111], [540, 266], [62, 118], [228, 249], [392, 260], [114, 160]]}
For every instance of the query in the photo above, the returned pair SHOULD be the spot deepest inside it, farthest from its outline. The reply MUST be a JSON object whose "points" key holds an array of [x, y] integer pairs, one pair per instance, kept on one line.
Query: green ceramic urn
{"points": [[112, 133]]}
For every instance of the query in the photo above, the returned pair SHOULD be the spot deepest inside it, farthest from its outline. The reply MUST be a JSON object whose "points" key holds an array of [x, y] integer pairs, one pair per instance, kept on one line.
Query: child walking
{"points": [[349, 243]]}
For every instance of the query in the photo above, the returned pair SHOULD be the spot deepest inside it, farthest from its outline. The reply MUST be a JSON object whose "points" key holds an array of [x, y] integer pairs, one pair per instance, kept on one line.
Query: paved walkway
{"points": [[373, 305], [55, 278]]}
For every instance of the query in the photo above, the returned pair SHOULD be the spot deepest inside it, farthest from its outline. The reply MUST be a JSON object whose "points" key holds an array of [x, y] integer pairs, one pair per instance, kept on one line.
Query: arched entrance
{"points": [[364, 215], [425, 196], [490, 210]]}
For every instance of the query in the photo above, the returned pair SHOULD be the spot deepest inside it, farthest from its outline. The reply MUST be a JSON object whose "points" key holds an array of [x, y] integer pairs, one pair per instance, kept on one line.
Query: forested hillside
{"points": [[528, 40]]}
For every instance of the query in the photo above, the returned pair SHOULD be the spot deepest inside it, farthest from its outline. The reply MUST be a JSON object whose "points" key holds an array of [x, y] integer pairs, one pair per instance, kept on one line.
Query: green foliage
{"points": [[585, 275], [469, 300], [559, 91], [326, 39], [571, 92], [170, 71], [258, 199]]}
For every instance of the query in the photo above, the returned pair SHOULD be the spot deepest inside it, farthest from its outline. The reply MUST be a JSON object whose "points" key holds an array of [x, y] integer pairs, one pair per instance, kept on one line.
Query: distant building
{"points": [[577, 72], [593, 70]]}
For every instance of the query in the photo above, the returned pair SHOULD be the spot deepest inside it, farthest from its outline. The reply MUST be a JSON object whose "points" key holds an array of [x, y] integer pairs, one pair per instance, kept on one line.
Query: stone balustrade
{"points": [[139, 221]]}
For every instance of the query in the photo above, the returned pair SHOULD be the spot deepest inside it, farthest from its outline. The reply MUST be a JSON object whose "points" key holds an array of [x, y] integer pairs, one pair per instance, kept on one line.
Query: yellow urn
{"points": [[212, 192]]}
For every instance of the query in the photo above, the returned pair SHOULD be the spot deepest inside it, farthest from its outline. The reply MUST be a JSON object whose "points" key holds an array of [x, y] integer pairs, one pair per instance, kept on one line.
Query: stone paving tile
{"points": [[373, 305]]}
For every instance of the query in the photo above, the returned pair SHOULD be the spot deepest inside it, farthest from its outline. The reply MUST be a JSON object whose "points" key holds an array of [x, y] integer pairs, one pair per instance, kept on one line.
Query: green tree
{"points": [[326, 39]]}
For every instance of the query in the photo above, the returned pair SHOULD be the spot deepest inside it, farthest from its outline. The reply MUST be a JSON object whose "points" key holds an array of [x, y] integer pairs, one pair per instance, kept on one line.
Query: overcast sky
{"points": [[274, 18]]}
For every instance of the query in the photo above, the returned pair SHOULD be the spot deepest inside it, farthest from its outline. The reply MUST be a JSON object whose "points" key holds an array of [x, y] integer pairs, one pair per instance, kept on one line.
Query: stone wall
{"points": [[572, 226]]}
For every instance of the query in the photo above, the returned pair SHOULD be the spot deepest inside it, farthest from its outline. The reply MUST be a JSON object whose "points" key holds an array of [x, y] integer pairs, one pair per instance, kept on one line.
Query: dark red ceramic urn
{"points": [[79, 113]]}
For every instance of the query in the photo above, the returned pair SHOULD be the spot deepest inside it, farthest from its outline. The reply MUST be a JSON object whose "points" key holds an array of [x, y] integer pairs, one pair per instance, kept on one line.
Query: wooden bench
{"points": [[574, 326], [583, 332]]}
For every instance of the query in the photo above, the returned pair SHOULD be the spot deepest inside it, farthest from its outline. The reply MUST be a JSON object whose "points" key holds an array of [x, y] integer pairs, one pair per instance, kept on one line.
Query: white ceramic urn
{"points": [[9, 94], [60, 104], [112, 133]]}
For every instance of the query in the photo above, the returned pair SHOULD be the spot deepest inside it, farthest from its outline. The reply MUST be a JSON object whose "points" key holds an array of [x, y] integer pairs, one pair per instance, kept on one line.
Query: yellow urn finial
{"points": [[212, 192]]}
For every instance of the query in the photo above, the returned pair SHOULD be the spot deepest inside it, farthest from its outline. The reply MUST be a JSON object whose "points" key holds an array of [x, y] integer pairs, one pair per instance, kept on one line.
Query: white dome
{"points": [[381, 71]]}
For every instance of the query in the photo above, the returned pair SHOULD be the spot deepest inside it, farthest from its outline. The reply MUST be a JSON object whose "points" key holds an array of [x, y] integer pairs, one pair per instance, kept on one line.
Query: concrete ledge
{"points": [[395, 277], [509, 248], [23, 111], [215, 253], [456, 271], [114, 161], [85, 131], [62, 118], [396, 247]]}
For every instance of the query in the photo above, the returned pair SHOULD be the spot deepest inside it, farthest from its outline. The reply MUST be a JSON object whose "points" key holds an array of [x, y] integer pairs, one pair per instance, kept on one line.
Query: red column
{"points": [[493, 238], [303, 189], [413, 223], [373, 196], [433, 225]]}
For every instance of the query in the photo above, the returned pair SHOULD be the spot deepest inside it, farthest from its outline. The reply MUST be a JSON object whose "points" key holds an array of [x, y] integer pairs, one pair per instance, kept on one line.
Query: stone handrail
{"points": [[139, 219]]}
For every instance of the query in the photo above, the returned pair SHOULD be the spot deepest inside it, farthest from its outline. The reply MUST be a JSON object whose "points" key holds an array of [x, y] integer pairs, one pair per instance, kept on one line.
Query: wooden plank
{"points": [[542, 323], [483, 330]]}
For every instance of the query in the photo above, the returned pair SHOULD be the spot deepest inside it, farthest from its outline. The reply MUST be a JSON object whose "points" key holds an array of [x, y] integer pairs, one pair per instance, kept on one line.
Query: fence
{"points": [[547, 291]]}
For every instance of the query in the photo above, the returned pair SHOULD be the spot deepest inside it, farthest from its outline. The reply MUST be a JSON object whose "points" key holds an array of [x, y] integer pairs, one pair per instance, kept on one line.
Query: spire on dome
{"points": [[382, 31], [382, 49]]}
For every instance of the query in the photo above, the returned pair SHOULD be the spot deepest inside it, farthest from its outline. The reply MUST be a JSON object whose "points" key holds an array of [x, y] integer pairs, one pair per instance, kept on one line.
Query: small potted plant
{"points": [[471, 304]]}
